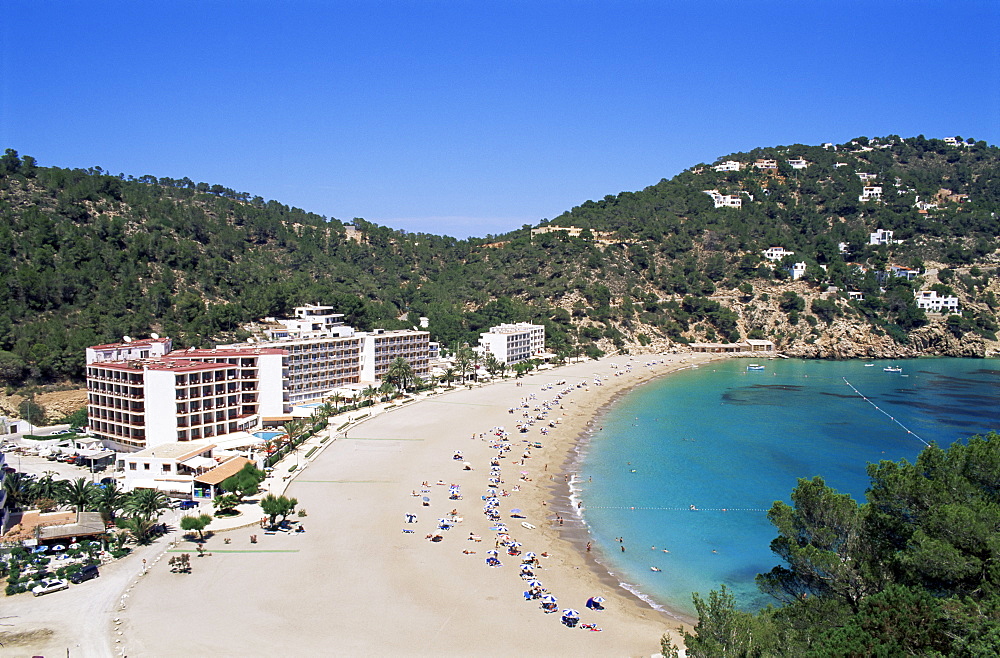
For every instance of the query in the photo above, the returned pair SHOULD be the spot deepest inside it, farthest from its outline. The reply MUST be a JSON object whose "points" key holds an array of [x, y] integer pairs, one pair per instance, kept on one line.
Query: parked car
{"points": [[86, 573], [187, 504], [49, 585]]}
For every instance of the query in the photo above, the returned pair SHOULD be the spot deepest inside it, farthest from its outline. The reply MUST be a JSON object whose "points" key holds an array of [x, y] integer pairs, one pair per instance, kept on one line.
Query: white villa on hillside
{"points": [[728, 165], [725, 200], [930, 301], [776, 253], [880, 236], [797, 163], [871, 192]]}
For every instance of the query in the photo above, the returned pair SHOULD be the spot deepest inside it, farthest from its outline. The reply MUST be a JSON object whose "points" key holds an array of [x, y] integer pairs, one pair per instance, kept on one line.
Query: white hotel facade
{"points": [[512, 343], [137, 403], [142, 394]]}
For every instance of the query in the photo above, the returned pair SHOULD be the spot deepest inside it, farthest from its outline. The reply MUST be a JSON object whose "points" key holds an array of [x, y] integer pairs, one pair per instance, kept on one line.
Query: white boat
{"points": [[755, 366], [892, 369], [869, 365]]}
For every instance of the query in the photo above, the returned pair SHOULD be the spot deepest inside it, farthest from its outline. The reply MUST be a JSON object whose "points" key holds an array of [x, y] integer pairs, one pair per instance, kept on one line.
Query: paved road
{"points": [[79, 622]]}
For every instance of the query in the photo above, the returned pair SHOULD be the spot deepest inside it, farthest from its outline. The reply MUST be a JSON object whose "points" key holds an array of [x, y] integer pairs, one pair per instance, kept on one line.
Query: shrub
{"points": [[311, 451]]}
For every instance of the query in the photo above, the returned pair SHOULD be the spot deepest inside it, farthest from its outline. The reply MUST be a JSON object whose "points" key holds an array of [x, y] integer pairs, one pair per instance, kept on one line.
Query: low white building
{"points": [[170, 468], [930, 301], [797, 163], [728, 165], [880, 236], [866, 176], [870, 192], [797, 270], [766, 164], [776, 253], [512, 343], [725, 200]]}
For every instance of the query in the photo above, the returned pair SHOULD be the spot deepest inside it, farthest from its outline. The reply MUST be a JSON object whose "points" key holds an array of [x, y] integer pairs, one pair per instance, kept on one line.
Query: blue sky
{"points": [[469, 118]]}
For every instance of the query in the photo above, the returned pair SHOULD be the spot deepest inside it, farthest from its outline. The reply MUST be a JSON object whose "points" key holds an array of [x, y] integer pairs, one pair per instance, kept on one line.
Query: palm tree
{"points": [[463, 360], [140, 527], [109, 500], [145, 504], [493, 364], [18, 488], [48, 488], [386, 389], [400, 373], [337, 398], [295, 429], [448, 376], [369, 392], [79, 493]]}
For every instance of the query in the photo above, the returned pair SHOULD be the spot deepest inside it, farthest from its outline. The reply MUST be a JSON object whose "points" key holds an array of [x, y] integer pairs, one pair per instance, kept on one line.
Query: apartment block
{"points": [[511, 343], [182, 396], [379, 348]]}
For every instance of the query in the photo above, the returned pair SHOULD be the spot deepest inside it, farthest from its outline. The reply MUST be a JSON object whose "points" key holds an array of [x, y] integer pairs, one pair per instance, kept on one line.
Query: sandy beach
{"points": [[354, 583]]}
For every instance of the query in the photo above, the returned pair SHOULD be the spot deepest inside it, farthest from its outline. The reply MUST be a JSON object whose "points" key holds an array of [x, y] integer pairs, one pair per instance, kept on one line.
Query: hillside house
{"points": [[931, 302], [728, 165], [797, 270], [897, 271], [869, 193], [797, 163], [725, 200], [856, 295], [880, 236], [776, 253], [866, 177], [766, 164]]}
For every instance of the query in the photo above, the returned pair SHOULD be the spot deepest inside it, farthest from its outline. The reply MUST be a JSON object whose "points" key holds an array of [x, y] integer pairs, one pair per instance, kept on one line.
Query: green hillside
{"points": [[90, 257]]}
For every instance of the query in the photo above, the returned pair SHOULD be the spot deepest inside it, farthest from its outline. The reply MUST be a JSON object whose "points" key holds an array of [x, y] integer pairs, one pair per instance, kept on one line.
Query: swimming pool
{"points": [[267, 436]]}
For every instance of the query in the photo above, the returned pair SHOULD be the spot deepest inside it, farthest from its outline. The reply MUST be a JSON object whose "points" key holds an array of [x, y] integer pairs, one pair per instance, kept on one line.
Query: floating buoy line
{"points": [[683, 509], [884, 412]]}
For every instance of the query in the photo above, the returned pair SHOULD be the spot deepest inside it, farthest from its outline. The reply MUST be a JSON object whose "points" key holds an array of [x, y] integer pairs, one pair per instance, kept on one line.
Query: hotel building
{"points": [[511, 343], [181, 396]]}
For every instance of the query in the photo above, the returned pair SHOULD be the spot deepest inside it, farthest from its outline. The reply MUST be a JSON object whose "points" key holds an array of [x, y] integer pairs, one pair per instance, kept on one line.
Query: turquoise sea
{"points": [[731, 442]]}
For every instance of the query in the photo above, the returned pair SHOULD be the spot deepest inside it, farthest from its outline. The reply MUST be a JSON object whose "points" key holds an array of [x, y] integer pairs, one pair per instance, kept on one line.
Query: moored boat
{"points": [[892, 369], [755, 366]]}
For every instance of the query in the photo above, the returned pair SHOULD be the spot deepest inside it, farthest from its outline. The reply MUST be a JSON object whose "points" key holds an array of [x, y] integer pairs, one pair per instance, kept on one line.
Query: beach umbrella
{"points": [[515, 544], [530, 556], [74, 546], [534, 583], [58, 547], [426, 499], [570, 612], [548, 598], [598, 599], [515, 511], [492, 552]]}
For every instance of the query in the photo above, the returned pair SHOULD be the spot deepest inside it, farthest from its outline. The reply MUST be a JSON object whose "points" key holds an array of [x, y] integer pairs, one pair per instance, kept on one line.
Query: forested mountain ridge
{"points": [[90, 256]]}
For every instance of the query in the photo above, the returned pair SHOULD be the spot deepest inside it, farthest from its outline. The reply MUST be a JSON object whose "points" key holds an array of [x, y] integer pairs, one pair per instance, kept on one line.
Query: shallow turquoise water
{"points": [[731, 442]]}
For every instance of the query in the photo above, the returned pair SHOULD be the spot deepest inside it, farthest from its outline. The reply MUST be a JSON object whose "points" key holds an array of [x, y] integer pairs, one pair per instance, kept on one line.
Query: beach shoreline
{"points": [[358, 568]]}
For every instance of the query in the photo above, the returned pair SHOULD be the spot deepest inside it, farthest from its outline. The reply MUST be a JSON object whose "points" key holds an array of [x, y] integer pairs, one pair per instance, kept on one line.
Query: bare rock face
{"points": [[937, 340]]}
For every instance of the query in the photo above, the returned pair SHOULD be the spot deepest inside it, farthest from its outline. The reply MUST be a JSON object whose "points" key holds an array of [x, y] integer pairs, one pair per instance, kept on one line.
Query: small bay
{"points": [[728, 443]]}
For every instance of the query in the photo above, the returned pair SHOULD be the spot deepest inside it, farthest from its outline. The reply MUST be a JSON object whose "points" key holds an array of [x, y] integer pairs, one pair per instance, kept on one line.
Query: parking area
{"points": [[35, 465]]}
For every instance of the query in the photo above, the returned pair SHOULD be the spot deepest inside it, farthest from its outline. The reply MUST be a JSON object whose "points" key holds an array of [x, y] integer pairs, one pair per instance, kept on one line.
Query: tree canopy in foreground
{"points": [[914, 571]]}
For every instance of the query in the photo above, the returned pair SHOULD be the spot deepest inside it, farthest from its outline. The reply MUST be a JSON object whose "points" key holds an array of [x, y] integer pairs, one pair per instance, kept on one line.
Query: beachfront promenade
{"points": [[354, 583]]}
